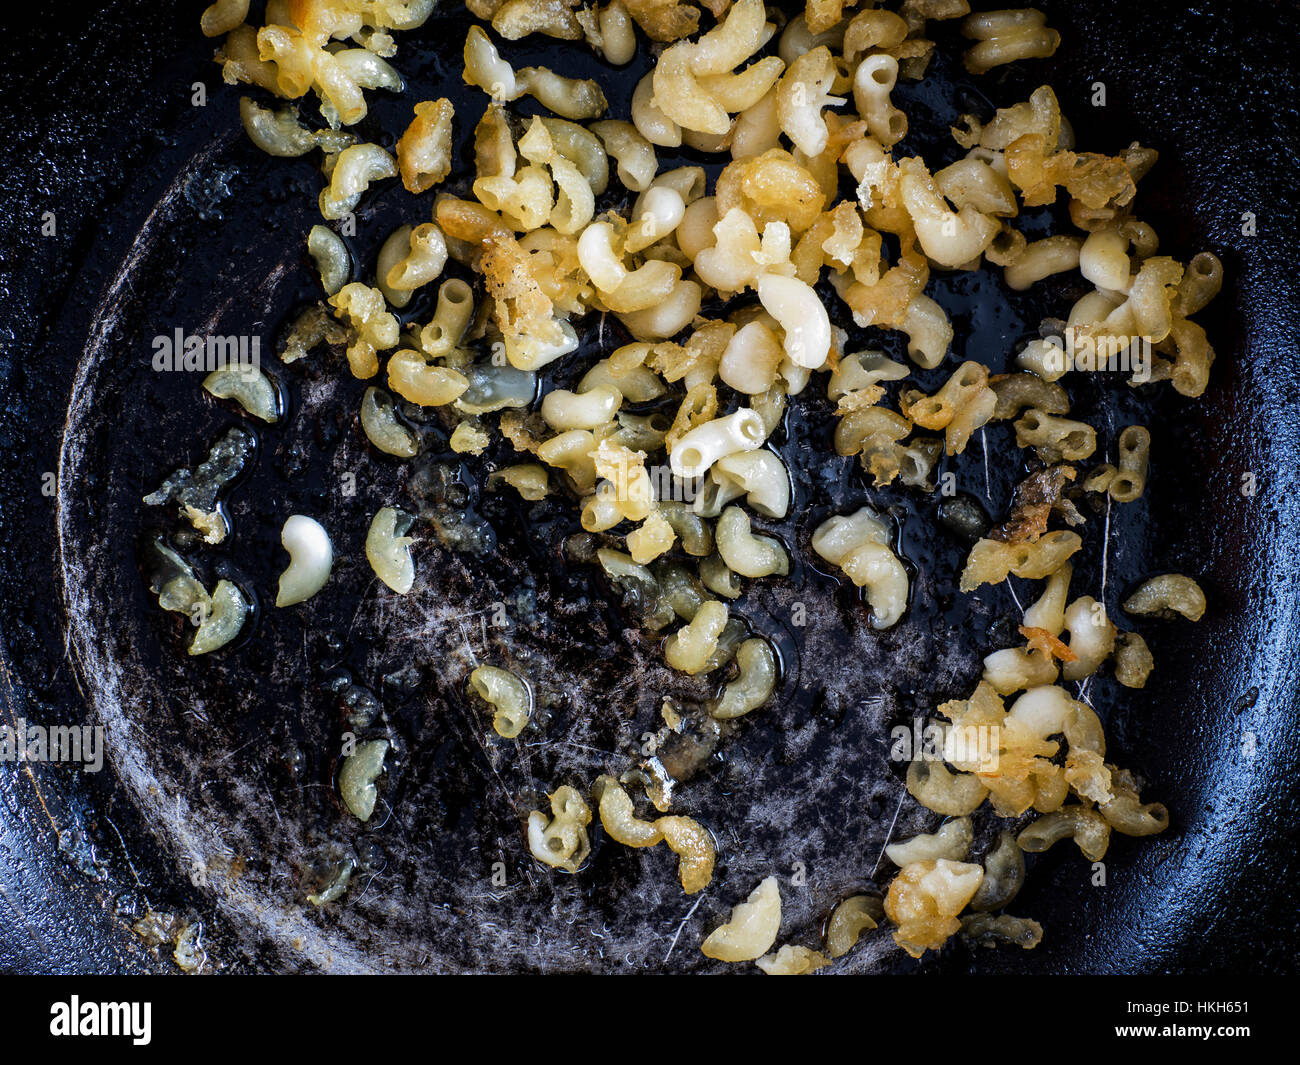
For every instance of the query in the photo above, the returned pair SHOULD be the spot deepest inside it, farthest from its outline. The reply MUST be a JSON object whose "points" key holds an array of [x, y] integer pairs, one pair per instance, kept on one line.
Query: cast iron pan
{"points": [[217, 805]]}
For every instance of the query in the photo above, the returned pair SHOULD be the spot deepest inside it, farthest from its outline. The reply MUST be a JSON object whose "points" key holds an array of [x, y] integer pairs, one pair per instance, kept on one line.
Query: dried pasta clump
{"points": [[925, 899]]}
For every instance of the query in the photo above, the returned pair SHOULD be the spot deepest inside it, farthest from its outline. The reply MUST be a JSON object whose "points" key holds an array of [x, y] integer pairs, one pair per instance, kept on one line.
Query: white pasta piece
{"points": [[357, 776], [950, 238], [331, 257], [571, 451], [311, 556], [561, 841], [862, 370], [745, 553], [751, 930], [1051, 255], [598, 258], [1048, 612], [697, 450], [928, 331], [804, 90], [1092, 637], [802, 317], [571, 98], [657, 213], [508, 695], [1103, 260], [485, 68], [1006, 36], [227, 612], [873, 81], [762, 476], [1167, 595], [792, 960], [736, 91], [618, 816], [413, 377], [353, 173], [222, 17], [757, 129], [976, 182], [1017, 668], [858, 544], [668, 317], [617, 33], [691, 647], [656, 127], [248, 386], [634, 154], [754, 684], [589, 409], [388, 549], [424, 261], [636, 383], [751, 359], [728, 259], [952, 842], [739, 35]]}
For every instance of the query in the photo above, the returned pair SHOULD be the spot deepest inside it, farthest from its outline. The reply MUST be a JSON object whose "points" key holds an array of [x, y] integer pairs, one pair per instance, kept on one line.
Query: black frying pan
{"points": [[216, 807]]}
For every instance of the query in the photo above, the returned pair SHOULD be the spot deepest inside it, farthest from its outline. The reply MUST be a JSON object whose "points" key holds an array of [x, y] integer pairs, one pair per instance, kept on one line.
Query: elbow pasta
{"points": [[695, 452], [222, 17], [331, 257], [762, 477], [1134, 455], [751, 930], [633, 155], [858, 544], [373, 328], [1007, 36], [691, 647], [424, 150], [952, 842], [1168, 595], [873, 81], [744, 552], [618, 816], [510, 698], [354, 171], [992, 561], [924, 900], [1092, 638], [852, 917], [561, 841], [753, 686], [801, 94], [962, 405], [693, 845]]}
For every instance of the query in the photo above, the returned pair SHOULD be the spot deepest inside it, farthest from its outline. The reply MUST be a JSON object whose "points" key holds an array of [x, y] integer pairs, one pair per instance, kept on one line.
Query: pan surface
{"points": [[217, 805]]}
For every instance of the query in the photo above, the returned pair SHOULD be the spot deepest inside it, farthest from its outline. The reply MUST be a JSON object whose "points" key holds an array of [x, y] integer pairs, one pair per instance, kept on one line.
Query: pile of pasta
{"points": [[792, 108]]}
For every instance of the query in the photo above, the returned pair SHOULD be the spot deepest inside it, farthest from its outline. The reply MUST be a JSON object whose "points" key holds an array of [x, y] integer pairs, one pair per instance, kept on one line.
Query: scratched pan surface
{"points": [[217, 801]]}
